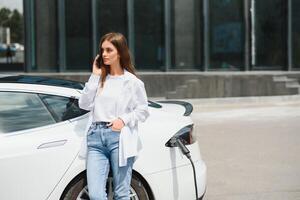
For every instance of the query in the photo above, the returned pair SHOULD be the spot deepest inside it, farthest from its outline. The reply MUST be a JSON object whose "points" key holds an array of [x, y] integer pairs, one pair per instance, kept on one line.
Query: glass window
{"points": [[270, 28], [78, 34], [149, 47], [296, 33], [62, 108], [226, 35], [20, 111], [46, 35], [186, 30], [11, 36], [111, 17]]}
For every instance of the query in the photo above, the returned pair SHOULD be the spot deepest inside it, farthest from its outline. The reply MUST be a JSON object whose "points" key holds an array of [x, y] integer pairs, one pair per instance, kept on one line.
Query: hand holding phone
{"points": [[96, 65]]}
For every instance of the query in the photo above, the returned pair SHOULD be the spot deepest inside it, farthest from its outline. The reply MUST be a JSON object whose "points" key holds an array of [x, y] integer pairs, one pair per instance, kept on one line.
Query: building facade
{"points": [[165, 35]]}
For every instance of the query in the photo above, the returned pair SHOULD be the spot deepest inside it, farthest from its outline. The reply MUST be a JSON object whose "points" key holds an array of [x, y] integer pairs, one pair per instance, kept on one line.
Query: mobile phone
{"points": [[98, 61]]}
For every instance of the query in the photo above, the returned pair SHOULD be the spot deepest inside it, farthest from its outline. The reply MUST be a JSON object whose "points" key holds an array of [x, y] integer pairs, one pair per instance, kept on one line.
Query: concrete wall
{"points": [[206, 84], [215, 85]]}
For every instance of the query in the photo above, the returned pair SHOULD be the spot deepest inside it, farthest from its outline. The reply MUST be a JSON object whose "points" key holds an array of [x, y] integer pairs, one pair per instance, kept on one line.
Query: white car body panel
{"points": [[22, 161], [166, 170], [178, 183]]}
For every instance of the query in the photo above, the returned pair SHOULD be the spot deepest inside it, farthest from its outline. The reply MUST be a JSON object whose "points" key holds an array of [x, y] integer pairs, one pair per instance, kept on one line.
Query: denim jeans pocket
{"points": [[90, 140], [91, 130], [114, 130]]}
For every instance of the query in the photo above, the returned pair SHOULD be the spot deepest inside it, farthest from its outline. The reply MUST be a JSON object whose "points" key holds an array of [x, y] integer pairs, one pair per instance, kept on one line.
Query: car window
{"points": [[20, 111], [62, 108]]}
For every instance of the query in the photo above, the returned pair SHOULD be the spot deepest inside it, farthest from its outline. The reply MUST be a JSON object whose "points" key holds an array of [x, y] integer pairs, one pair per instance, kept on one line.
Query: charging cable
{"points": [[186, 152]]}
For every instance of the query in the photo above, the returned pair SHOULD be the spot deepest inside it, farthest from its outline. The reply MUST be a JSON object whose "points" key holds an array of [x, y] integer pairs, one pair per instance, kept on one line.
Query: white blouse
{"points": [[106, 99]]}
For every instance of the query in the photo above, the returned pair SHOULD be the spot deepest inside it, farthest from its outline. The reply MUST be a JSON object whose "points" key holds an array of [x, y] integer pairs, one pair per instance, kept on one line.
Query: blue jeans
{"points": [[103, 151]]}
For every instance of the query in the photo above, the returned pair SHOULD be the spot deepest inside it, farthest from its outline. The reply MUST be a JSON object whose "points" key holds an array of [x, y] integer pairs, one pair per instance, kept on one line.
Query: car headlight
{"points": [[185, 135]]}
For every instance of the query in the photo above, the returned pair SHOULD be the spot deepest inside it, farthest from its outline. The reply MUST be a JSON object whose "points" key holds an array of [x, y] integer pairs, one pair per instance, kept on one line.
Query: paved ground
{"points": [[251, 148]]}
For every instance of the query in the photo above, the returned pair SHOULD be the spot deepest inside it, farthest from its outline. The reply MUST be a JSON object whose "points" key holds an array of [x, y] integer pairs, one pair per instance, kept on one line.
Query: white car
{"points": [[17, 46], [41, 130]]}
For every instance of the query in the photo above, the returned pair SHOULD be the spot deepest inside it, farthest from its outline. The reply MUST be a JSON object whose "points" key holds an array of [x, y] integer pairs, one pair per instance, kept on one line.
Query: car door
{"points": [[37, 143]]}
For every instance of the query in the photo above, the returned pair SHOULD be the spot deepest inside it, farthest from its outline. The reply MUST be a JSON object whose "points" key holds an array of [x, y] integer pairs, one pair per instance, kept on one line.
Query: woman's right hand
{"points": [[96, 67]]}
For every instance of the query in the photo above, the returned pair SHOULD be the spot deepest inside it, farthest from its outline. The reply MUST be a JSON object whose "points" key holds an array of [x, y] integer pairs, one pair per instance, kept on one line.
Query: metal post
{"points": [[247, 35], [290, 36], [167, 19], [130, 19], [206, 34], [30, 63], [94, 28], [253, 39], [61, 36]]}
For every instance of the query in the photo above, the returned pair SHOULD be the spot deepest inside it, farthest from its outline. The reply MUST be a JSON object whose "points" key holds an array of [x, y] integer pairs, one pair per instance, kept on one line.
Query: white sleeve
{"points": [[140, 109], [86, 101]]}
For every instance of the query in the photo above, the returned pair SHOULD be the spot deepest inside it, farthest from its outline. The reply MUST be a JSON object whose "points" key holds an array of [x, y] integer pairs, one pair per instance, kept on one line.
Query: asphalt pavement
{"points": [[251, 147]]}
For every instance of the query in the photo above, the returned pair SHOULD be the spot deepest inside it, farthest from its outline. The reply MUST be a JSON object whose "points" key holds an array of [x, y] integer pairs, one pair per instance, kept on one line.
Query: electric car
{"points": [[41, 132]]}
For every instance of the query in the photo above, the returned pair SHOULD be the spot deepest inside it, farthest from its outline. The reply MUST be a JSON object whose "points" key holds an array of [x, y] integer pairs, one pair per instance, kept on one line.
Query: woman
{"points": [[117, 101]]}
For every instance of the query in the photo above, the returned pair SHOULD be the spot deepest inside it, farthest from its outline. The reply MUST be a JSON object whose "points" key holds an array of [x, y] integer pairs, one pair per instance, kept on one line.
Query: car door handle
{"points": [[52, 144]]}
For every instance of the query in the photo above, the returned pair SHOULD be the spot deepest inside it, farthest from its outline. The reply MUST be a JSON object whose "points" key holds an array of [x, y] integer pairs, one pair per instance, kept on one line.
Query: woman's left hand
{"points": [[117, 124]]}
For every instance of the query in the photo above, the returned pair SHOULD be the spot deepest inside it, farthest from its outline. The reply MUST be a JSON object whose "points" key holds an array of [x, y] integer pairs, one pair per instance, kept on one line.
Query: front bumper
{"points": [[178, 183]]}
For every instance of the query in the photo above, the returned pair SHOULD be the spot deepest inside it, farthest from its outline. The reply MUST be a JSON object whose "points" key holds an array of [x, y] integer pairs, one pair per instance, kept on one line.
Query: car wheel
{"points": [[78, 190]]}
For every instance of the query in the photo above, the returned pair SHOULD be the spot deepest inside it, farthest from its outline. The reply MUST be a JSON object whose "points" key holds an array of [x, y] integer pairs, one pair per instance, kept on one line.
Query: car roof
{"points": [[41, 80], [41, 84], [42, 89]]}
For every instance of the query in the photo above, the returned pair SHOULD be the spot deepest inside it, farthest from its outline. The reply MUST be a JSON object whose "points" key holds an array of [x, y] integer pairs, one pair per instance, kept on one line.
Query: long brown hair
{"points": [[119, 41]]}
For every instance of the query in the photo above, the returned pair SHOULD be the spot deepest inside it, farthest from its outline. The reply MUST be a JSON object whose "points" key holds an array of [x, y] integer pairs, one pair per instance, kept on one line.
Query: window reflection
{"points": [[187, 33], [11, 36], [62, 108], [149, 34], [111, 17], [296, 33], [226, 34], [46, 35], [78, 36], [20, 111], [71, 24], [270, 33]]}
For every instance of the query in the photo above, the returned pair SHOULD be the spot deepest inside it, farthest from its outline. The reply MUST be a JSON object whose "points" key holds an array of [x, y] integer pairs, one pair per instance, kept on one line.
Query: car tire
{"points": [[139, 188], [77, 190]]}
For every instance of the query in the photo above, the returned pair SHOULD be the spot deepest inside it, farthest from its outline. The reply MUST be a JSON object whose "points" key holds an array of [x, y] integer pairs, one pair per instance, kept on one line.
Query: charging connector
{"points": [[186, 152]]}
